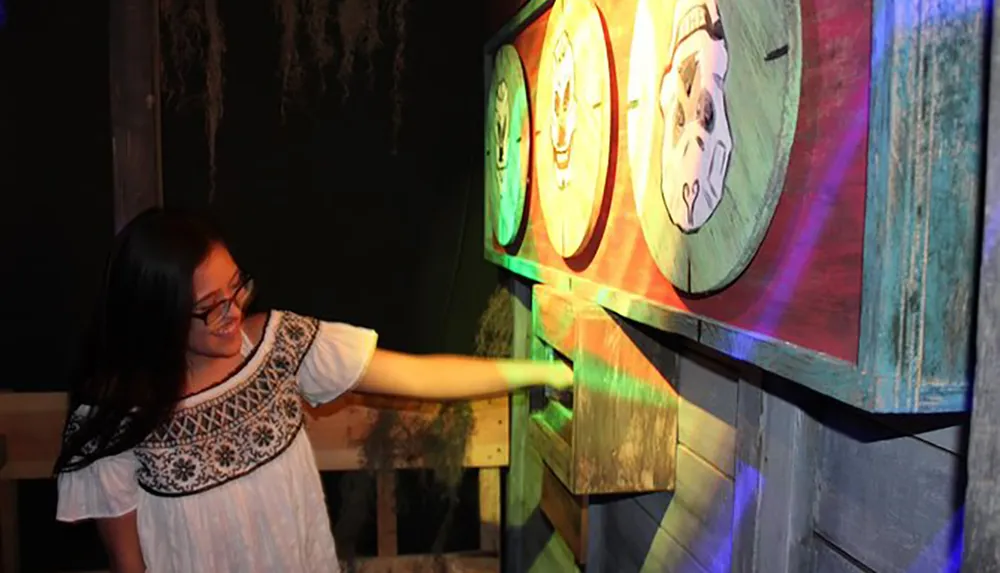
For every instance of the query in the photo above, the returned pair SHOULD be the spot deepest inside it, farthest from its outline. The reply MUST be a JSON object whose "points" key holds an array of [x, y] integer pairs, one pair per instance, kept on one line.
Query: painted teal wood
{"points": [[923, 206], [922, 223]]}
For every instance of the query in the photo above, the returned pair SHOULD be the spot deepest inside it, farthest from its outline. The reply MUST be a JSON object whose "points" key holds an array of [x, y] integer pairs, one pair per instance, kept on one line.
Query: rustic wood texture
{"points": [[489, 510], [33, 425], [567, 513], [135, 138], [921, 216], [385, 513], [891, 501], [703, 209], [573, 109], [982, 504], [787, 487], [803, 286], [508, 145], [797, 309], [9, 538], [623, 429]]}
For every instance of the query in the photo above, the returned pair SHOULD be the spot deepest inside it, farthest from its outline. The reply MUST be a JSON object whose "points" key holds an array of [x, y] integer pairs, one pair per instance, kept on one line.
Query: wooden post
{"points": [[385, 513], [982, 505], [135, 107]]}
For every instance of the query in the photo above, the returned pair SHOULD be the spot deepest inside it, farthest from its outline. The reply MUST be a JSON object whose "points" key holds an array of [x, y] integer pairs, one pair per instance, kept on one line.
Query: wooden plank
{"points": [[33, 423], [519, 507], [789, 451], [892, 502], [551, 447], [707, 412], [747, 481], [10, 546], [635, 541], [982, 504], [448, 562], [699, 517], [622, 395], [489, 510], [923, 204], [830, 560], [567, 514], [134, 72], [385, 513]]}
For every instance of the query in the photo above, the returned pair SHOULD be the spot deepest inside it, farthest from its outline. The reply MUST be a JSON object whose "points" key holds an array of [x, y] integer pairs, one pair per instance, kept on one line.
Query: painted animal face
{"points": [[502, 126], [563, 123], [697, 143]]}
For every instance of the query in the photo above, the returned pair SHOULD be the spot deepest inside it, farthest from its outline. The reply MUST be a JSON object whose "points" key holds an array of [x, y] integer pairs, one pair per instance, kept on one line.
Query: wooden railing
{"points": [[31, 425]]}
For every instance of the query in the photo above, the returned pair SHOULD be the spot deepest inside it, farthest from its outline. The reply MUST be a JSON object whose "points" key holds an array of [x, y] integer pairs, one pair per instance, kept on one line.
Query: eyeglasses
{"points": [[242, 296]]}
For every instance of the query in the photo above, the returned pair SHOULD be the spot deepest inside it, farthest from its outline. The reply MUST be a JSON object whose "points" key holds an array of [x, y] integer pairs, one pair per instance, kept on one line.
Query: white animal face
{"points": [[697, 142], [563, 121]]}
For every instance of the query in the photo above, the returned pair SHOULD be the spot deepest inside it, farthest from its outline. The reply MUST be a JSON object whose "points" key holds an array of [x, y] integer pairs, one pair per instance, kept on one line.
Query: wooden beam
{"points": [[385, 513], [489, 510], [982, 505], [135, 96], [33, 425]]}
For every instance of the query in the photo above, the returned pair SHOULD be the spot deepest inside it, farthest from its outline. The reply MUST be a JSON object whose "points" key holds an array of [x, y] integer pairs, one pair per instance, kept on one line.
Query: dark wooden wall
{"points": [[771, 478]]}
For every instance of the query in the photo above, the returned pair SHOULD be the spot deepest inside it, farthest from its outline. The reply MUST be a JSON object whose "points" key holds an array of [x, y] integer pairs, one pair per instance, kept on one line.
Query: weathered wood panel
{"points": [[982, 504], [621, 396], [891, 501], [829, 560], [923, 205], [135, 107]]}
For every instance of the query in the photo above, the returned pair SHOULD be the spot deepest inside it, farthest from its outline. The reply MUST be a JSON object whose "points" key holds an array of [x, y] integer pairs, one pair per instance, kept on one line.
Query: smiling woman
{"points": [[186, 440]]}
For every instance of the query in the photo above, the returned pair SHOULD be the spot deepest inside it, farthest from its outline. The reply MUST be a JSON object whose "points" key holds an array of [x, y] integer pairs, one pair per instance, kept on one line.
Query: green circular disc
{"points": [[713, 98], [508, 145]]}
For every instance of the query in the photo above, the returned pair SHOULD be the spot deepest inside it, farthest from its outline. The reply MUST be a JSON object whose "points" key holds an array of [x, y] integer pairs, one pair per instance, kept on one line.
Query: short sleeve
{"points": [[336, 361], [105, 488]]}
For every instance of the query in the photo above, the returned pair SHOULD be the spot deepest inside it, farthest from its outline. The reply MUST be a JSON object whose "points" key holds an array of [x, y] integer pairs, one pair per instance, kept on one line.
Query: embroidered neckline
{"points": [[231, 435]]}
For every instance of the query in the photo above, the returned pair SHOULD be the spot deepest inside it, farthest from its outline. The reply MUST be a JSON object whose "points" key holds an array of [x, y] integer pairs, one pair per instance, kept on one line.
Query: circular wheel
{"points": [[713, 98], [508, 145], [573, 123]]}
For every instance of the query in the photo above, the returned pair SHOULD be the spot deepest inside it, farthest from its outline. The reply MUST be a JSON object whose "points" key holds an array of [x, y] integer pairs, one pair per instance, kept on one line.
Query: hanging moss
{"points": [[213, 86], [440, 443], [195, 42], [289, 60], [399, 18], [317, 15]]}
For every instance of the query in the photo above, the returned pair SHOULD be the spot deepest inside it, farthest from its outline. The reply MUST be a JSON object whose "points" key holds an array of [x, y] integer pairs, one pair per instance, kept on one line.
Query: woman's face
{"points": [[220, 294]]}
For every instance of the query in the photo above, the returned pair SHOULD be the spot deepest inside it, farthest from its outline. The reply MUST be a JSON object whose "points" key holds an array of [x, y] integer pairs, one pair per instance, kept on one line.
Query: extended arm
{"points": [[446, 377], [120, 536]]}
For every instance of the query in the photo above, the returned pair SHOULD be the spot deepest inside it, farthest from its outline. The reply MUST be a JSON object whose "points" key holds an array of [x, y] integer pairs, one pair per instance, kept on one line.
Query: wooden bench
{"points": [[30, 433]]}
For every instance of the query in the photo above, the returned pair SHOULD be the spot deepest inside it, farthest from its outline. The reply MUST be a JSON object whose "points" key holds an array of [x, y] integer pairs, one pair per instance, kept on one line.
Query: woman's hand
{"points": [[562, 376]]}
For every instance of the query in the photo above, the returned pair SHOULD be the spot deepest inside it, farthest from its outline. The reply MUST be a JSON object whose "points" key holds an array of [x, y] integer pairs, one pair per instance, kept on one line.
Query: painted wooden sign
{"points": [[573, 109], [508, 145], [832, 237], [712, 101]]}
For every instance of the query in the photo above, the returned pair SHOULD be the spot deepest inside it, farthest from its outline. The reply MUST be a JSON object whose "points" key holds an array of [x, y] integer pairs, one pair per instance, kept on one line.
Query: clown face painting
{"points": [[502, 124], [697, 142], [563, 122], [573, 110]]}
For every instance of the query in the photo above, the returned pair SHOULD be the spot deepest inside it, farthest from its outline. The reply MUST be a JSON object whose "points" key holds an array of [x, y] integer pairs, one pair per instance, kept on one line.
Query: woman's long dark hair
{"points": [[134, 364]]}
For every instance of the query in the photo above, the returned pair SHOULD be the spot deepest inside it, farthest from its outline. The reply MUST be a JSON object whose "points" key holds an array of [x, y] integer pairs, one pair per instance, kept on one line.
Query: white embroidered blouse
{"points": [[229, 483]]}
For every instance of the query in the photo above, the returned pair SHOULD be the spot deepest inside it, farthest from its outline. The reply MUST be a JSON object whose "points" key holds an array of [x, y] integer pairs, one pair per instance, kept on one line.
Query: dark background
{"points": [[317, 205]]}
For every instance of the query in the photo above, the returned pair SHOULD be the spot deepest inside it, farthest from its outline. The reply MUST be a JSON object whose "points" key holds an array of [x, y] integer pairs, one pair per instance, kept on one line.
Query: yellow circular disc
{"points": [[508, 145], [713, 99], [572, 123]]}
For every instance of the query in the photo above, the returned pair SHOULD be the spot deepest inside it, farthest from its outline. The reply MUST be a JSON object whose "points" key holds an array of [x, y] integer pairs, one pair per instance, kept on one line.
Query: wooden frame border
{"points": [[923, 203]]}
